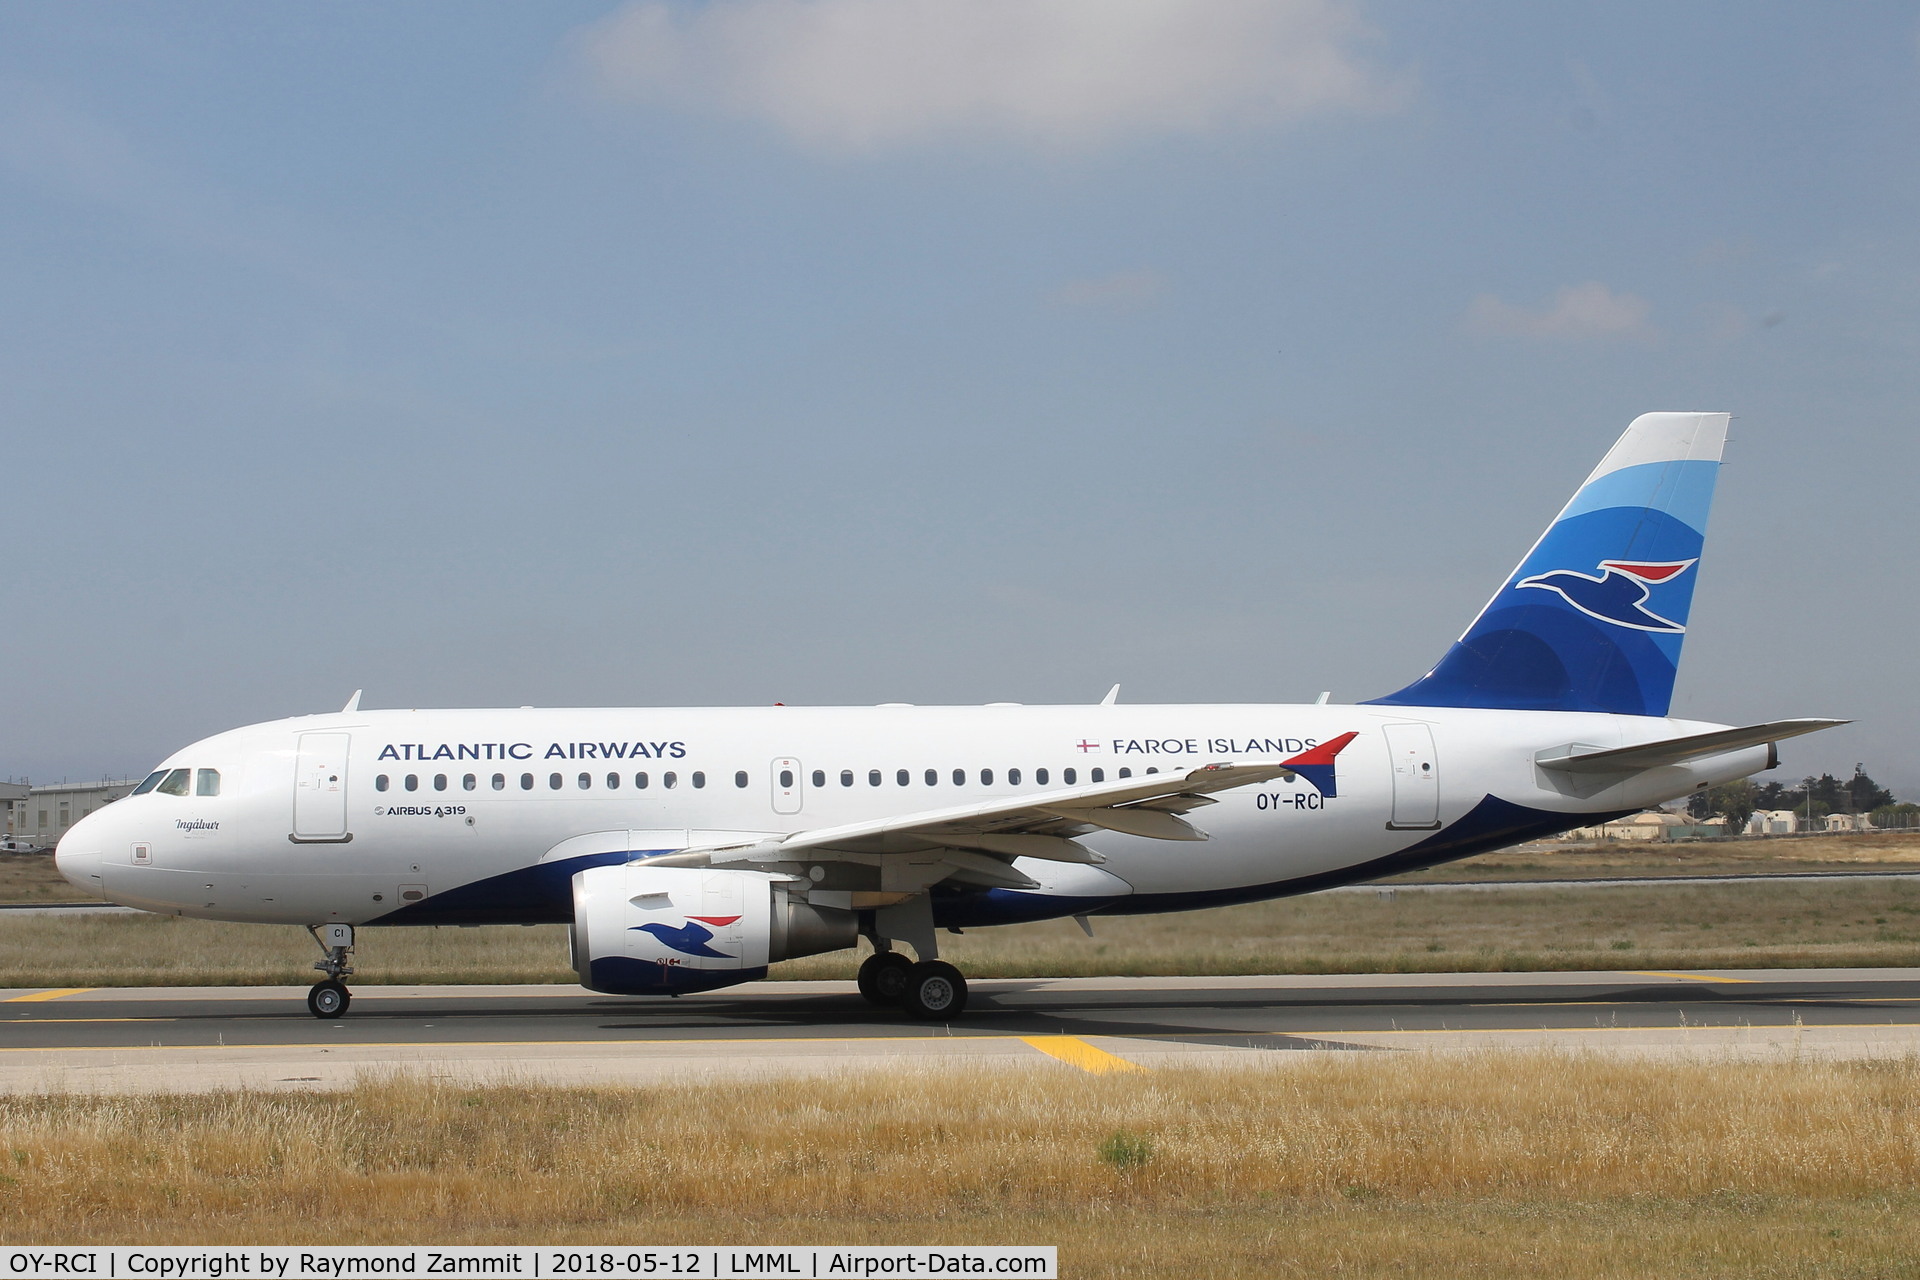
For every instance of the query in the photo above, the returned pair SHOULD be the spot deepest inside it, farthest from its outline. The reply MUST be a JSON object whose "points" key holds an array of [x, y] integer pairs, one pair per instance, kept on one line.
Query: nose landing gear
{"points": [[329, 997]]}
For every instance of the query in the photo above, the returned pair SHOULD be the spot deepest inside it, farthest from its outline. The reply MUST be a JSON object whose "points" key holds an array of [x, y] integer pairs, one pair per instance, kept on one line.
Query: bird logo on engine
{"points": [[691, 938]]}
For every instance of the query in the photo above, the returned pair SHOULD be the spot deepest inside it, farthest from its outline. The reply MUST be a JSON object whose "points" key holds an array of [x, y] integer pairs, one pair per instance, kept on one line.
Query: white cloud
{"points": [[1579, 312], [1123, 290], [861, 74]]}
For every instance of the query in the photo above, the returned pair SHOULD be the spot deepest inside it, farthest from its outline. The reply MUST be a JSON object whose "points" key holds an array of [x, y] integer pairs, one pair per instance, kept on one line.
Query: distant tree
{"points": [[1828, 795], [1864, 795], [1731, 800], [1858, 794]]}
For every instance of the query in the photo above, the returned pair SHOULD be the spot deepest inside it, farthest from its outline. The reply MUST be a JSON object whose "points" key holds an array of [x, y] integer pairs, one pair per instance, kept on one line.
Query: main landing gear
{"points": [[329, 997], [932, 990]]}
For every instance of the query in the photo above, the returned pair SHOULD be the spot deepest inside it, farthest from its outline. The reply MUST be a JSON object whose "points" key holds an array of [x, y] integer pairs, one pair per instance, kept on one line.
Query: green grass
{"points": [[1763, 924]]}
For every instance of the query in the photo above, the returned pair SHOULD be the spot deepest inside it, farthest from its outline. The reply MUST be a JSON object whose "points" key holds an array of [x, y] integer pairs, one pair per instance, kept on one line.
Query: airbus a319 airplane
{"points": [[691, 848]]}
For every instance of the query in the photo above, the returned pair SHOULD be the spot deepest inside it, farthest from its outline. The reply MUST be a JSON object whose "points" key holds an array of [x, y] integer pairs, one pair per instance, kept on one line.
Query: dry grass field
{"points": [[30, 877], [1551, 860], [1750, 924], [1351, 1165]]}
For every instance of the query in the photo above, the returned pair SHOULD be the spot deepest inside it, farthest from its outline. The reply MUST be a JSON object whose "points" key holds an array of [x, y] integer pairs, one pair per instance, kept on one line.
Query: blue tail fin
{"points": [[1593, 618]]}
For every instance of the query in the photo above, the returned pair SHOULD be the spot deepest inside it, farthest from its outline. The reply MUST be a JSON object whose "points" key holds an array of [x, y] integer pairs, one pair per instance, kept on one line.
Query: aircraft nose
{"points": [[81, 851]]}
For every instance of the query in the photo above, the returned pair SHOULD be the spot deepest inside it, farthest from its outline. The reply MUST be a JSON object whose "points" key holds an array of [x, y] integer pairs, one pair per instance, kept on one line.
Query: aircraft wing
{"points": [[981, 839], [1042, 825], [1575, 758]]}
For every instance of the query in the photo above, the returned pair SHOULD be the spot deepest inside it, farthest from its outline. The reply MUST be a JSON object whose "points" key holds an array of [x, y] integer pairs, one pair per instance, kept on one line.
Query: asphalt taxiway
{"points": [[160, 1039]]}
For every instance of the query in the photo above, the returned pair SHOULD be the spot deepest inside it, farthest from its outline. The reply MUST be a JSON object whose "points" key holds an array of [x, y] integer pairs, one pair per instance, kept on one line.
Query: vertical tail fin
{"points": [[1593, 618]]}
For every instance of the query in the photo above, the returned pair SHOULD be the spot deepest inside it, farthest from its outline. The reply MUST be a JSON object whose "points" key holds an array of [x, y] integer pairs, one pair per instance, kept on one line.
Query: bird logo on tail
{"points": [[1619, 594]]}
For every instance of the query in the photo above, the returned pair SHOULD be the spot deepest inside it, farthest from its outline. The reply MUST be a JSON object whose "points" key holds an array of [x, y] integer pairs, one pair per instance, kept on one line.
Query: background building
{"points": [[39, 816], [9, 792]]}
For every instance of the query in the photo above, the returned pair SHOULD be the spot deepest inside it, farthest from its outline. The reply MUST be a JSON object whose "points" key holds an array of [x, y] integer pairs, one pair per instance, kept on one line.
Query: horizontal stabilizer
{"points": [[1651, 755]]}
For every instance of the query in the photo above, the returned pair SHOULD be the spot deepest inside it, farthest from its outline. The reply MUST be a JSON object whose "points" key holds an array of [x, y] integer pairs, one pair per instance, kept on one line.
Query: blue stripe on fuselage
{"points": [[539, 894]]}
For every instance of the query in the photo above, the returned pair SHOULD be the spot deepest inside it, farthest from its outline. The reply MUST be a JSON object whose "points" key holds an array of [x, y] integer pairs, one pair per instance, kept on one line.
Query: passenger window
{"points": [[873, 777], [986, 777], [469, 782], [1126, 773], [175, 783], [554, 781], [439, 782], [1039, 776], [585, 780], [1013, 777], [959, 777], [933, 777], [1097, 775], [819, 777], [1070, 776], [413, 782], [669, 780], [153, 780], [613, 782], [786, 779], [380, 783], [902, 778], [699, 779], [499, 782], [846, 777], [740, 778], [639, 782], [526, 782], [206, 782], [1153, 770]]}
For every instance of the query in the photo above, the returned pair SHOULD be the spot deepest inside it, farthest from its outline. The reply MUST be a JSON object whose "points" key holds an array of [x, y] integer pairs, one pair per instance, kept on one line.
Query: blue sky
{"points": [[906, 350]]}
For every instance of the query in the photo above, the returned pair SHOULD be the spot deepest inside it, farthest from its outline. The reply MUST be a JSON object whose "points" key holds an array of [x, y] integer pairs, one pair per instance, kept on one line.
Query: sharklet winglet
{"points": [[1317, 764]]}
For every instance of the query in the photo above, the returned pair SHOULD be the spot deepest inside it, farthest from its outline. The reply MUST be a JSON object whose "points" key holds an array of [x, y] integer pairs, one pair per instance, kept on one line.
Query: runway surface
{"points": [[155, 1039]]}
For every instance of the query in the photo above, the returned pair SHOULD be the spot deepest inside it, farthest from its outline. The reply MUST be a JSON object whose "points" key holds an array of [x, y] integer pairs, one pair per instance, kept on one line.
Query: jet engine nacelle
{"points": [[640, 930]]}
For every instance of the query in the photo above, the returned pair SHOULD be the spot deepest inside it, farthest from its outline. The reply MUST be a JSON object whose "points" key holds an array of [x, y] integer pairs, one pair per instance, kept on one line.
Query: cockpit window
{"points": [[175, 783], [206, 782], [153, 780]]}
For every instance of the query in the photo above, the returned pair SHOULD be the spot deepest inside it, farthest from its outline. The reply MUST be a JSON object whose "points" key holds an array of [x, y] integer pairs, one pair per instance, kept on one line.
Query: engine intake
{"points": [[640, 930]]}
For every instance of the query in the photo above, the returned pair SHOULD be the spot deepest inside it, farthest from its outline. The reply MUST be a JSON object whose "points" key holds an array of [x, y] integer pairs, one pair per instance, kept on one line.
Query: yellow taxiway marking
{"points": [[1076, 1052], [48, 995], [1690, 977]]}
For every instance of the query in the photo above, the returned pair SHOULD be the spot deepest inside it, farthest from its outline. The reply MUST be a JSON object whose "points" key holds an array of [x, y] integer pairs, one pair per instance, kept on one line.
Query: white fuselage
{"points": [[477, 816]]}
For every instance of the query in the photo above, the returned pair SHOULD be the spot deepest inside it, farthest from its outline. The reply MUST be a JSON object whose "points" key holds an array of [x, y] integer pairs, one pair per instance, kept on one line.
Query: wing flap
{"points": [[1133, 820]]}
